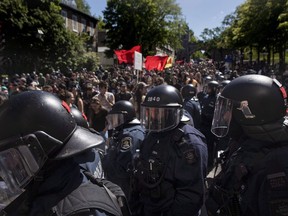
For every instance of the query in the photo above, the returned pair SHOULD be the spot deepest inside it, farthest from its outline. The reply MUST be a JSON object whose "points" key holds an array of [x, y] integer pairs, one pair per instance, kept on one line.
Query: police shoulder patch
{"points": [[126, 143]]}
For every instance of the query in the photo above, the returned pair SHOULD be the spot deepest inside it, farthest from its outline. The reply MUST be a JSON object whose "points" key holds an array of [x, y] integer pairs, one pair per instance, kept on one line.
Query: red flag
{"points": [[155, 62], [127, 56]]}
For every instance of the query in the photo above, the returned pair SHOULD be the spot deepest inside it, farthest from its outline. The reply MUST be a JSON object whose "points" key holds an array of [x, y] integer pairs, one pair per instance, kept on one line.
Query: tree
{"points": [[211, 41], [35, 37], [83, 6], [188, 45], [88, 61], [258, 24], [283, 18], [100, 24], [150, 23]]}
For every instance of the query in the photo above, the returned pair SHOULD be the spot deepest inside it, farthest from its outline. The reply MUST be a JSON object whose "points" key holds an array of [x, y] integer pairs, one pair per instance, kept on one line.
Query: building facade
{"points": [[80, 22], [103, 59]]}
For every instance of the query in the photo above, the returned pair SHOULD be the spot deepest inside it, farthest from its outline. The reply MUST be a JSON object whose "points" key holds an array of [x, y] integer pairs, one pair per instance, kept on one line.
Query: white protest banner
{"points": [[138, 61]]}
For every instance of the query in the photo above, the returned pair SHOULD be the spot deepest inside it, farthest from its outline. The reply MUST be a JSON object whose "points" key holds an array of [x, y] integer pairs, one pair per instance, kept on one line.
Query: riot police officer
{"points": [[126, 137], [91, 161], [40, 144], [207, 112], [201, 94], [171, 168], [191, 104], [91, 165], [251, 110], [223, 84], [222, 142]]}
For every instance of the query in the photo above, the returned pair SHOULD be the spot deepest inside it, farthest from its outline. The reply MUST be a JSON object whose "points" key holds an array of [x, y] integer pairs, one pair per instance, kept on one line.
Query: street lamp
{"points": [[39, 35]]}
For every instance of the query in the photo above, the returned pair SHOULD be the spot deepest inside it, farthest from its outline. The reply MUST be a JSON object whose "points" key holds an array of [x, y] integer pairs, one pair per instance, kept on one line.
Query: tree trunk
{"points": [[281, 59]]}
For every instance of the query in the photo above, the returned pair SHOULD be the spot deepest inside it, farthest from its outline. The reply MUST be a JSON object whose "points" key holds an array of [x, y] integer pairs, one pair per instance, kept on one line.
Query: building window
{"points": [[91, 29], [74, 23], [64, 15], [84, 25]]}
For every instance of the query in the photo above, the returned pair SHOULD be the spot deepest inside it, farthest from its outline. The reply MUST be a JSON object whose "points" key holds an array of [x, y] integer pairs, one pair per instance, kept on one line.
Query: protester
{"points": [[123, 93], [138, 97], [92, 160], [88, 94], [107, 99], [78, 100], [97, 118]]}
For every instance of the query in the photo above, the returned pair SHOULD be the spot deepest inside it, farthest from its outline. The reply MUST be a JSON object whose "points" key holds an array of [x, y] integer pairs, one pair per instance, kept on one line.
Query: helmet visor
{"points": [[222, 116], [114, 120], [160, 119], [18, 166]]}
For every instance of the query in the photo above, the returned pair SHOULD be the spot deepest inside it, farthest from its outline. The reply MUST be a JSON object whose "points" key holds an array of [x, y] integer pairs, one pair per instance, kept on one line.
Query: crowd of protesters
{"points": [[95, 92]]}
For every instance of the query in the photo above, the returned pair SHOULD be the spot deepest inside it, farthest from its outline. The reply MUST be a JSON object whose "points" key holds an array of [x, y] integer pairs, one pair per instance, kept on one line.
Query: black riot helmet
{"points": [[162, 108], [79, 117], [213, 84], [188, 91], [38, 127], [212, 87], [224, 83], [251, 100], [207, 79], [81, 120], [122, 112]]}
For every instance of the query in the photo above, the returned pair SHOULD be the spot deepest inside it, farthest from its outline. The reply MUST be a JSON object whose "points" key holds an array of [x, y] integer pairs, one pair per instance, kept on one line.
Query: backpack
{"points": [[98, 197]]}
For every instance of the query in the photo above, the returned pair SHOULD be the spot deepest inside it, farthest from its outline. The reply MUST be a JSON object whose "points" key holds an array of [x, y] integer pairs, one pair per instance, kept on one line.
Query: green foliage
{"points": [[257, 22], [260, 24], [83, 6], [198, 55], [89, 61], [283, 19], [36, 39], [100, 24], [256, 25], [150, 23], [211, 39]]}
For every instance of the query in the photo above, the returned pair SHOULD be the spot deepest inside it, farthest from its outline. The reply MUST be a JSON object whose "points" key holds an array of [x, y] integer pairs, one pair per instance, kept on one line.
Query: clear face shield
{"points": [[114, 120], [160, 119], [18, 165], [222, 116]]}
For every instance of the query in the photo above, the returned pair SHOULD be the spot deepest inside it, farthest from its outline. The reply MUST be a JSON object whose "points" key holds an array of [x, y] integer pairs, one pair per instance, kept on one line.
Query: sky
{"points": [[199, 14]]}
